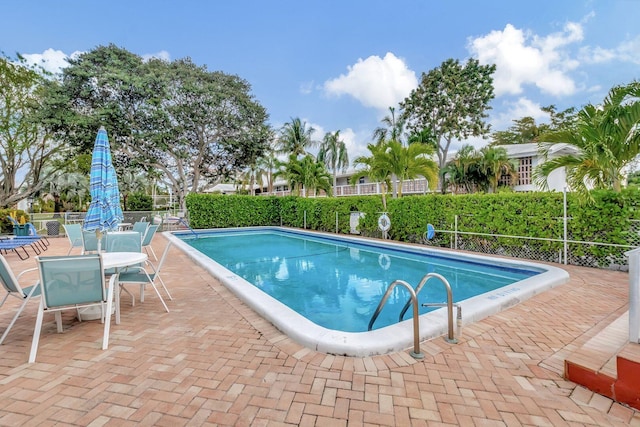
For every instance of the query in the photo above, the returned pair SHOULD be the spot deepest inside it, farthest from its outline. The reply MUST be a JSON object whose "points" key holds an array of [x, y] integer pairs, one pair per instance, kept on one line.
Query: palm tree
{"points": [[410, 162], [305, 176], [495, 163], [462, 171], [373, 168], [267, 164], [295, 137], [607, 138], [333, 152], [392, 131]]}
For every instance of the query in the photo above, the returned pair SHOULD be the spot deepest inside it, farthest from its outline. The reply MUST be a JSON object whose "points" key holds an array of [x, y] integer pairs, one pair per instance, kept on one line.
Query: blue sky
{"points": [[339, 65]]}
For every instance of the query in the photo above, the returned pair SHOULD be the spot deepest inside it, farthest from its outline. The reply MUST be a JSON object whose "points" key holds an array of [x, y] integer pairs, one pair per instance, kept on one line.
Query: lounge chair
{"points": [[70, 283], [17, 246], [138, 275], [74, 234], [11, 285]]}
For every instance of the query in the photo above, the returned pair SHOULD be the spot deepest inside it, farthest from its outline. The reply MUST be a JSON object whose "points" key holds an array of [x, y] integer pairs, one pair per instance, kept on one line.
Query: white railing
{"points": [[413, 186]]}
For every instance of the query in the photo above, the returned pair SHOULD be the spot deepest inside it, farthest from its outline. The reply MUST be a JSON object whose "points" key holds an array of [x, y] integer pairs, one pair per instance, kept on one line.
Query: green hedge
{"points": [[609, 219]]}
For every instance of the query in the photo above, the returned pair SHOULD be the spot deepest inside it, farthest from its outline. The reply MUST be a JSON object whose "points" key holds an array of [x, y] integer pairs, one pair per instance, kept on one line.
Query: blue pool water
{"points": [[338, 284]]}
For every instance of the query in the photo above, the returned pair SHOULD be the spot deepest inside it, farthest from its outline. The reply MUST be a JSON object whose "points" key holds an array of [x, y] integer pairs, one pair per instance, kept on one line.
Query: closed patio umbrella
{"points": [[104, 212]]}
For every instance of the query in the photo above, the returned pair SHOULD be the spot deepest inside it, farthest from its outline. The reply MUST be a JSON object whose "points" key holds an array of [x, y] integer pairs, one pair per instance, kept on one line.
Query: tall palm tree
{"points": [[333, 153], [607, 138], [268, 164], [295, 137], [393, 129]]}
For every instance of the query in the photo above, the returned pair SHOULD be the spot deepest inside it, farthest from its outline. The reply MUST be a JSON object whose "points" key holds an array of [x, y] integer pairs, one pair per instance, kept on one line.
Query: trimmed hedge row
{"points": [[609, 220]]}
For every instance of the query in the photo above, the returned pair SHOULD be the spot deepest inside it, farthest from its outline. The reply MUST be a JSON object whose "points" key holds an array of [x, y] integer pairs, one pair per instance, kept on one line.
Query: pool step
{"points": [[608, 364]]}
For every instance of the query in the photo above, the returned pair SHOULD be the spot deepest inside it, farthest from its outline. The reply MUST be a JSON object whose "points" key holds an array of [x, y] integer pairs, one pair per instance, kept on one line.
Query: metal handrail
{"points": [[450, 337], [416, 319]]}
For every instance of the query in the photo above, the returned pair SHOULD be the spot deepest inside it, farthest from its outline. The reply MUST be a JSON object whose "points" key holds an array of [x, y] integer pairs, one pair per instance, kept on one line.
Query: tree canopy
{"points": [[27, 150], [193, 125], [452, 102], [607, 138]]}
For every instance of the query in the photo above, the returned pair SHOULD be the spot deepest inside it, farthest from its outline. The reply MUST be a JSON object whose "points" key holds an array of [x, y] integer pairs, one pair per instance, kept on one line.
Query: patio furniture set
{"points": [[91, 280]]}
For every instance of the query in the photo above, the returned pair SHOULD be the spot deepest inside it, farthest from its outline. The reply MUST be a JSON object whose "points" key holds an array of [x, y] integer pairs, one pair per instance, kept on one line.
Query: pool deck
{"points": [[213, 361]]}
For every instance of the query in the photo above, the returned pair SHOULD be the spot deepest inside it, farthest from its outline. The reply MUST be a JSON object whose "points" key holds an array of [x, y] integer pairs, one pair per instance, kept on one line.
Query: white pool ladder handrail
{"points": [[449, 304], [416, 354]]}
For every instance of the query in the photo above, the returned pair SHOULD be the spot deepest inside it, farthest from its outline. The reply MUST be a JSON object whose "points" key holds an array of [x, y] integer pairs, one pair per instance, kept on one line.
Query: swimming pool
{"points": [[340, 302]]}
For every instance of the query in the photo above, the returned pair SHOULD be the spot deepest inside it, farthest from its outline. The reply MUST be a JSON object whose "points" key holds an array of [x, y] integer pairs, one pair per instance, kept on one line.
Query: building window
{"points": [[524, 171], [361, 180]]}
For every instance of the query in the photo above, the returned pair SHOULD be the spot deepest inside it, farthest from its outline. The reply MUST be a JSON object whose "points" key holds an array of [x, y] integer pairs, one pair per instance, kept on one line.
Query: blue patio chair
{"points": [[146, 239], [140, 227], [12, 287], [138, 275], [71, 283], [122, 241], [74, 234], [90, 242]]}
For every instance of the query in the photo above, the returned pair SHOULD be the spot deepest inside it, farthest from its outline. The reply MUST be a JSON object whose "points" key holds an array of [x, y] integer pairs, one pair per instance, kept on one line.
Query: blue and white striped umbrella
{"points": [[104, 212]]}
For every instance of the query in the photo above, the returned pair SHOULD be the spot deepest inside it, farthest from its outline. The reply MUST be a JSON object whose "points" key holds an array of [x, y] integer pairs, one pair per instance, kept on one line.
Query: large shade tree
{"points": [[607, 139], [193, 125], [27, 151], [451, 101]]}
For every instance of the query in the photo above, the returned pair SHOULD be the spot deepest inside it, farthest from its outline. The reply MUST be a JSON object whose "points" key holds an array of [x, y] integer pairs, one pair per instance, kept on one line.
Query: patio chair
{"points": [[11, 285], [90, 242], [71, 283], [123, 241], [138, 275], [74, 234], [146, 239], [140, 227]]}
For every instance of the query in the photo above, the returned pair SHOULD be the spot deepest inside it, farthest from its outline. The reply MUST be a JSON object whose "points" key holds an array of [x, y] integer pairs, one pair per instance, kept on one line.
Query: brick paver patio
{"points": [[213, 361]]}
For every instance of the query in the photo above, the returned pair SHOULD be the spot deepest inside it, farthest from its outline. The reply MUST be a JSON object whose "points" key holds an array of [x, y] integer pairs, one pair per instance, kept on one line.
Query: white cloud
{"points": [[523, 58], [627, 51], [375, 82], [51, 60], [163, 54], [523, 107], [306, 88]]}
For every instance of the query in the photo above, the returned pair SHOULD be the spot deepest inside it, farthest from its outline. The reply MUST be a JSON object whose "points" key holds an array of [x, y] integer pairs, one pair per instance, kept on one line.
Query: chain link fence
{"points": [[564, 249]]}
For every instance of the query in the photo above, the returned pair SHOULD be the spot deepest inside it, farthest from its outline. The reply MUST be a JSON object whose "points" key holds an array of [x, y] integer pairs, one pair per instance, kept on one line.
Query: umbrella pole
{"points": [[99, 237]]}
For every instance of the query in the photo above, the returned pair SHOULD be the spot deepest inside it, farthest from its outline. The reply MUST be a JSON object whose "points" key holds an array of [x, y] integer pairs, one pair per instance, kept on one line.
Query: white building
{"points": [[529, 157]]}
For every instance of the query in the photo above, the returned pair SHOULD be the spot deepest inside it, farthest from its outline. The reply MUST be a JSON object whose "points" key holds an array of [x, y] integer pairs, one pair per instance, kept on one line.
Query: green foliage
{"points": [[451, 101], [139, 202], [27, 149], [536, 215], [176, 118], [605, 138]]}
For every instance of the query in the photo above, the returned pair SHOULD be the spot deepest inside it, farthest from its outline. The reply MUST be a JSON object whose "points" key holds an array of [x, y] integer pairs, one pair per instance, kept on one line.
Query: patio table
{"points": [[116, 260]]}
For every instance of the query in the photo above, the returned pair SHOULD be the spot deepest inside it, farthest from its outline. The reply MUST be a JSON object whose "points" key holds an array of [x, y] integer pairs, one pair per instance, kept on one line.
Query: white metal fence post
{"points": [[455, 234], [564, 201], [634, 295]]}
